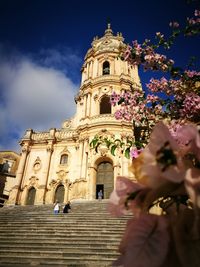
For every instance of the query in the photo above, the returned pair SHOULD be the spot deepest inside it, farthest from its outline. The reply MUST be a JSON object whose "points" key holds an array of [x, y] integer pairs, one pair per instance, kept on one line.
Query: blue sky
{"points": [[42, 47]]}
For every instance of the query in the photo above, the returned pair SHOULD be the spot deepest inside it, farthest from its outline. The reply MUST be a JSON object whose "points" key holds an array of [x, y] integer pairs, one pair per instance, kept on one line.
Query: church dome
{"points": [[107, 43]]}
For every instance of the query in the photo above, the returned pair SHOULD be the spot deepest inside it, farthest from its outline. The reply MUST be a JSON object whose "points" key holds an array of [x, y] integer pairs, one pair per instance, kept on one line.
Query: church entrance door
{"points": [[31, 196], [59, 195], [105, 179]]}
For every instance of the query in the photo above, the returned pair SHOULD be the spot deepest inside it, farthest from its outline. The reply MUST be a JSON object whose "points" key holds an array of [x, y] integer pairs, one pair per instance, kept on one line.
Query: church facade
{"points": [[59, 164]]}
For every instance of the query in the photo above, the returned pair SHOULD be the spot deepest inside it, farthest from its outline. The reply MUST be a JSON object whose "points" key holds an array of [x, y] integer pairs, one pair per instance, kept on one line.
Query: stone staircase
{"points": [[34, 236]]}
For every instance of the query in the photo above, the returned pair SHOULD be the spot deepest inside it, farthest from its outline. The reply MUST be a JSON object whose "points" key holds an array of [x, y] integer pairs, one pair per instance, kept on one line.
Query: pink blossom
{"points": [[191, 106], [192, 73], [162, 158], [145, 242], [124, 186], [197, 13], [134, 152], [174, 24], [192, 184], [114, 98], [188, 136], [159, 35]]}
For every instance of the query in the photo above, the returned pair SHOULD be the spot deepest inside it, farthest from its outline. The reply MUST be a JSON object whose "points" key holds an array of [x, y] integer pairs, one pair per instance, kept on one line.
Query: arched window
{"points": [[106, 68], [64, 159], [105, 106]]}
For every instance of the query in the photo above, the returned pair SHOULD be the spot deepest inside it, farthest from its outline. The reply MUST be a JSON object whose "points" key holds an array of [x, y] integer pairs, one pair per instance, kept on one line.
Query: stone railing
{"points": [[102, 118], [59, 135], [63, 134], [40, 136]]}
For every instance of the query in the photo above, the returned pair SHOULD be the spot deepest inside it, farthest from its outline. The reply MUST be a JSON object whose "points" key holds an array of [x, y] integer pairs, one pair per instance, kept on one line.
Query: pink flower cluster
{"points": [[197, 13], [135, 107], [134, 152], [191, 106], [146, 56], [174, 24], [185, 100], [192, 73], [169, 87], [164, 176]]}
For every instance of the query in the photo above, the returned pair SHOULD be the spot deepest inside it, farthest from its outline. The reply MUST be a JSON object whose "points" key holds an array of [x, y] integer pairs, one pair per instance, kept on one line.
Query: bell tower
{"points": [[103, 72]]}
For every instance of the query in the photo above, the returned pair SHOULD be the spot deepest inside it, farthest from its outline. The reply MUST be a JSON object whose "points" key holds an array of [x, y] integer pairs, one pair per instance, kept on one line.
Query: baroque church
{"points": [[59, 164]]}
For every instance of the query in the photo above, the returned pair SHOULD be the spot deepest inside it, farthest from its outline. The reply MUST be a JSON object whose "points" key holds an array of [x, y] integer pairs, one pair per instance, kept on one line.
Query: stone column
{"points": [[81, 148], [85, 106], [90, 69], [84, 159], [66, 196], [125, 167], [88, 107], [92, 183], [87, 73], [41, 192], [14, 196], [112, 67]]}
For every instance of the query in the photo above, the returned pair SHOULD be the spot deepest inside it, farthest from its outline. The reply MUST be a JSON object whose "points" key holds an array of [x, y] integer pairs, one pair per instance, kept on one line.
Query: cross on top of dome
{"points": [[108, 31]]}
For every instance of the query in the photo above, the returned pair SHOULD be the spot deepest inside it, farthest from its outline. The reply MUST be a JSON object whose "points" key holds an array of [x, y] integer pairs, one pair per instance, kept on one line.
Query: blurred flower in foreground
{"points": [[167, 174]]}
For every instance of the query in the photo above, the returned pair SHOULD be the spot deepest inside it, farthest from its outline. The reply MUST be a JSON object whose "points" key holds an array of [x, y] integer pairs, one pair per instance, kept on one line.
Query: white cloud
{"points": [[32, 95]]}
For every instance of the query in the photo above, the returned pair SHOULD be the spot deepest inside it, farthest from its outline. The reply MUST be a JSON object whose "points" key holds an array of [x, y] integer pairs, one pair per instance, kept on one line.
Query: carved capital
{"points": [[49, 149], [25, 149]]}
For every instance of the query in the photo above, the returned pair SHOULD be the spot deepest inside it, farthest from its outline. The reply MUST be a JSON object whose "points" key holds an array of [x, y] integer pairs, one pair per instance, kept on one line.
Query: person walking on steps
{"points": [[56, 207], [100, 195]]}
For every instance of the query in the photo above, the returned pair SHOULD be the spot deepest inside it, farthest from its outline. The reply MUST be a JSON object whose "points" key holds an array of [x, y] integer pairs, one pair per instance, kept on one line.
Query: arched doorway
{"points": [[105, 179], [31, 196], [60, 192]]}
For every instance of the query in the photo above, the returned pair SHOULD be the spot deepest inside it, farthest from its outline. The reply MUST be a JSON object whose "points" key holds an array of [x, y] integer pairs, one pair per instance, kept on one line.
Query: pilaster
{"points": [[14, 196]]}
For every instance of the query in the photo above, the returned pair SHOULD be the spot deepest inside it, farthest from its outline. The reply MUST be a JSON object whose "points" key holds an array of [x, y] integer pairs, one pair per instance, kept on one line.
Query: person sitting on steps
{"points": [[67, 207]]}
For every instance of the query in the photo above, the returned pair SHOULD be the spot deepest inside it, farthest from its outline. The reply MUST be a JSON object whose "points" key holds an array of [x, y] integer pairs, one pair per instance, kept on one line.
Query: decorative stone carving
{"points": [[33, 181], [49, 149], [65, 151], [67, 124], [25, 149], [103, 149], [95, 97], [37, 165], [105, 90], [61, 174]]}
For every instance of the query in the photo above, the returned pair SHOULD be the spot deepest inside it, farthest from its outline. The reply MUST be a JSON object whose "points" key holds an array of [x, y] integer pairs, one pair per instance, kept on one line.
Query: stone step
{"points": [[55, 240], [33, 236], [60, 235], [47, 229], [61, 246], [67, 262], [21, 249], [64, 231], [56, 254]]}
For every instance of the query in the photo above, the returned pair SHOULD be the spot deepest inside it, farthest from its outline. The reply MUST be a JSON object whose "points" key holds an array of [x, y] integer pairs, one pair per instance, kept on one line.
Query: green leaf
{"points": [[118, 141], [96, 148], [94, 142], [113, 148], [130, 143], [127, 153]]}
